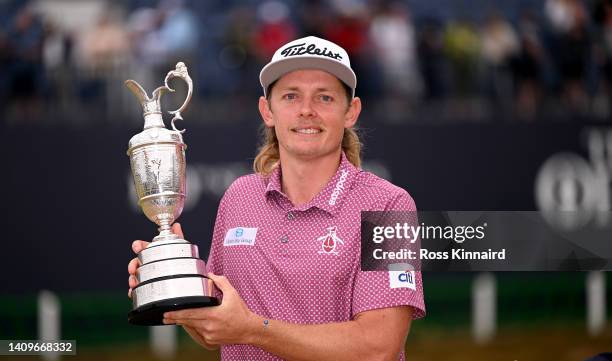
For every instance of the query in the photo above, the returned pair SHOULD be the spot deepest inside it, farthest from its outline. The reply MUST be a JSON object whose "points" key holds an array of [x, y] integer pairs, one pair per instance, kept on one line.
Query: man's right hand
{"points": [[138, 246]]}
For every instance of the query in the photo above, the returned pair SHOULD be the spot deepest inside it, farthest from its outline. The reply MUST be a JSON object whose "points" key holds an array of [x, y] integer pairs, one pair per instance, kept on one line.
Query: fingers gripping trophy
{"points": [[171, 275]]}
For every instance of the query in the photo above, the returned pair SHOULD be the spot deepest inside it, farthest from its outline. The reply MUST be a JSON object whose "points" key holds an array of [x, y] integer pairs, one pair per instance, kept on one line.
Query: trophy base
{"points": [[152, 314]]}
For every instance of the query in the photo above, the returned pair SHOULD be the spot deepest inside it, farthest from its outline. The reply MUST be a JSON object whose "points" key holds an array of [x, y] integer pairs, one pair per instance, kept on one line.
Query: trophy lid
{"points": [[154, 128]]}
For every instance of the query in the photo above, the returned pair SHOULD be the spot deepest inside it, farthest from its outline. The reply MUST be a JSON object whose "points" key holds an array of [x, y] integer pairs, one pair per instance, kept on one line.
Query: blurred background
{"points": [[468, 104]]}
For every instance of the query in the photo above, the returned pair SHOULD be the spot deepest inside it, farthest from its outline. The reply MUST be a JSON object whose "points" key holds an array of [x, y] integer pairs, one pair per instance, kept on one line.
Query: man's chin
{"points": [[308, 153]]}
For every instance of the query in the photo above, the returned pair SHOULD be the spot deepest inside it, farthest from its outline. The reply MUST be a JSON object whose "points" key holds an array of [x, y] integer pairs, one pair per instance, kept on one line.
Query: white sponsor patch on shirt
{"points": [[240, 236], [401, 275], [402, 279]]}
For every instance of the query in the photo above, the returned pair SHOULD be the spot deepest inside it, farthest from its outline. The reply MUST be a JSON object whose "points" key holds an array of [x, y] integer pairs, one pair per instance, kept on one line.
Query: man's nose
{"points": [[306, 109]]}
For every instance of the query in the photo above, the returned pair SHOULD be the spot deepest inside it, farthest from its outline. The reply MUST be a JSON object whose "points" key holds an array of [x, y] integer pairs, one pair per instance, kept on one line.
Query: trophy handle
{"points": [[179, 72]]}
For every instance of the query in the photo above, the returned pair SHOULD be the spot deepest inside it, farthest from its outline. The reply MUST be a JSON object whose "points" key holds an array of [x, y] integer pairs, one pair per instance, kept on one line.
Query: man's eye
{"points": [[326, 98], [290, 96]]}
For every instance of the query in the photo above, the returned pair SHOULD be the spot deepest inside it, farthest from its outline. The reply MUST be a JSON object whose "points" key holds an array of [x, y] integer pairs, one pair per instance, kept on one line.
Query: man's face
{"points": [[309, 111]]}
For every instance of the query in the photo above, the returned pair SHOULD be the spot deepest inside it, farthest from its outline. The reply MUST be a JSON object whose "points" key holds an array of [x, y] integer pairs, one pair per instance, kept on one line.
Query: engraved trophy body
{"points": [[171, 275]]}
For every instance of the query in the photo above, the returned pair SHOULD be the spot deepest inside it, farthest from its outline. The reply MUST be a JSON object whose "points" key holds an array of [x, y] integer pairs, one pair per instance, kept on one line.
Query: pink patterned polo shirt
{"points": [[302, 264]]}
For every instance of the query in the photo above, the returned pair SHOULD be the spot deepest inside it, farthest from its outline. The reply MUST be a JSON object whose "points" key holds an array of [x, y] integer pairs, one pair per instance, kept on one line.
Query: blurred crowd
{"points": [[510, 60]]}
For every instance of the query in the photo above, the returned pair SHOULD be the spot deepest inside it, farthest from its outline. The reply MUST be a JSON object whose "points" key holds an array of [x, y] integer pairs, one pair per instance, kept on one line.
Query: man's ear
{"points": [[266, 112], [354, 109]]}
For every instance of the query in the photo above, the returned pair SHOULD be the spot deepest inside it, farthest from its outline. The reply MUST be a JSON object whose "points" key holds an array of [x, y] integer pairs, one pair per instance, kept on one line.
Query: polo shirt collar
{"points": [[331, 197]]}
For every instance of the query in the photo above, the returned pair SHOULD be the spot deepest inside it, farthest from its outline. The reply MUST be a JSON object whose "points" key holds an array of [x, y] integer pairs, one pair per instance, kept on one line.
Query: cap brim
{"points": [[274, 71]]}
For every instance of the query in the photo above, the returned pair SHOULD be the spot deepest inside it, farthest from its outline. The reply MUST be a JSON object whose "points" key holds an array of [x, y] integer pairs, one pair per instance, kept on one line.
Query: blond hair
{"points": [[268, 154]]}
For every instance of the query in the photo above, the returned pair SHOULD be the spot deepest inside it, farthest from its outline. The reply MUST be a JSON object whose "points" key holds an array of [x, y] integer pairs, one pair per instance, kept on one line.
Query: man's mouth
{"points": [[307, 130]]}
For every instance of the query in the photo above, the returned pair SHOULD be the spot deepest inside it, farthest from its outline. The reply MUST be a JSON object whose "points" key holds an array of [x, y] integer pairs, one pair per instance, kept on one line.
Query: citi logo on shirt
{"points": [[406, 277], [403, 278], [338, 188], [330, 242]]}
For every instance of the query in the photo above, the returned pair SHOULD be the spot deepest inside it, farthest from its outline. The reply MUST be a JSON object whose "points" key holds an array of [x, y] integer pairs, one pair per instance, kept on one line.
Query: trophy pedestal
{"points": [[152, 314], [171, 277]]}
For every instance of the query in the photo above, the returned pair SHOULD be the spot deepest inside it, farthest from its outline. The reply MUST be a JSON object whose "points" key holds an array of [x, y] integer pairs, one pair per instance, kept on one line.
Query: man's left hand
{"points": [[229, 323]]}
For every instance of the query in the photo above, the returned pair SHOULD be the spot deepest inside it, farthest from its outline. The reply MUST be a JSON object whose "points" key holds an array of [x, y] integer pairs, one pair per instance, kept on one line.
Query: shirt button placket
{"points": [[283, 250], [284, 238]]}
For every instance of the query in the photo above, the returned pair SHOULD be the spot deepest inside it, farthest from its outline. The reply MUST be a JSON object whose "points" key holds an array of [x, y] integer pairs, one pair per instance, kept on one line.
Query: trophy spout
{"points": [[137, 90], [151, 107]]}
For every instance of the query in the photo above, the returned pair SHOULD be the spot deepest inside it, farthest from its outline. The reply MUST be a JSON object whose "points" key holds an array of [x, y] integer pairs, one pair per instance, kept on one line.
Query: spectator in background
{"points": [[179, 34], [26, 81], [147, 49], [59, 65], [314, 17], [179, 30], [393, 38], [571, 49], [602, 13], [432, 60], [143, 24], [500, 46], [238, 58], [162, 36], [350, 30], [551, 66], [462, 48], [101, 51], [275, 29], [104, 47], [528, 67]]}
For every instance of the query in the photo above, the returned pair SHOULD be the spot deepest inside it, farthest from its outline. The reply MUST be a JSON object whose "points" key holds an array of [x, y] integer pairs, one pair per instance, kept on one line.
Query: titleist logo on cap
{"points": [[301, 49]]}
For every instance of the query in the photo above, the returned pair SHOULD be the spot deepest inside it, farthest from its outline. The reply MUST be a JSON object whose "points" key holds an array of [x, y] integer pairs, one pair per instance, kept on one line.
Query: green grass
{"points": [[525, 300]]}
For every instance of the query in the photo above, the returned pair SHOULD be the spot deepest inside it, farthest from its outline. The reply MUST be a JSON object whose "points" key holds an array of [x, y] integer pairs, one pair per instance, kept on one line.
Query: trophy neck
{"points": [[153, 120], [165, 232], [152, 114]]}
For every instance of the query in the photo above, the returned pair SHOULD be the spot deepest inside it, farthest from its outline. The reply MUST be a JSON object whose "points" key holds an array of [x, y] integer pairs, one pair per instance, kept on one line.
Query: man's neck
{"points": [[303, 179]]}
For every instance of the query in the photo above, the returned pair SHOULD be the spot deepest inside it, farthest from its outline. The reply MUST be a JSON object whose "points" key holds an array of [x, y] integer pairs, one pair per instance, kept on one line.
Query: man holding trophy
{"points": [[285, 254]]}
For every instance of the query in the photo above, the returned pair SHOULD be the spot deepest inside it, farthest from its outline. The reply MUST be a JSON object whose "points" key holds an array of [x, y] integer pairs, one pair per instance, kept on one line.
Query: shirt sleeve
{"points": [[380, 289]]}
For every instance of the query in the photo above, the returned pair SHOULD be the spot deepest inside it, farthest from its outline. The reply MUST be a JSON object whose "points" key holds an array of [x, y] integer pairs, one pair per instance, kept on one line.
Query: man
{"points": [[292, 287]]}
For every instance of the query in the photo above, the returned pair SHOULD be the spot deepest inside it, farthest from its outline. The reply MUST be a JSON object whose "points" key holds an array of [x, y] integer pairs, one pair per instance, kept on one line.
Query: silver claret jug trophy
{"points": [[171, 276]]}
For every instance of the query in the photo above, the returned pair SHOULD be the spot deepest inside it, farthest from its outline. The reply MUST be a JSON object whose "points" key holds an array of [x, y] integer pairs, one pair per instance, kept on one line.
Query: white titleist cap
{"points": [[309, 53]]}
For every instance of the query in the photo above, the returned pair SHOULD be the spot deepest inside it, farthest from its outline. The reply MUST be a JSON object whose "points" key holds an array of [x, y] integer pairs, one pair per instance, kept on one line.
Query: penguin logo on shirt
{"points": [[330, 241]]}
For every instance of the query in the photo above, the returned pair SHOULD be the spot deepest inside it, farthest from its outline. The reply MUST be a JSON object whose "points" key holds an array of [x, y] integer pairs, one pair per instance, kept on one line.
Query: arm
{"points": [[372, 335]]}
